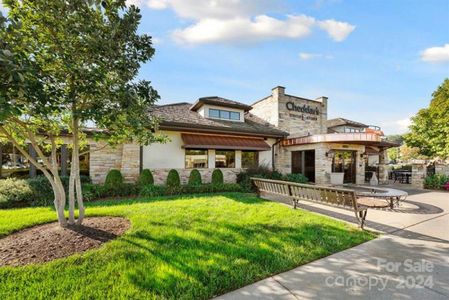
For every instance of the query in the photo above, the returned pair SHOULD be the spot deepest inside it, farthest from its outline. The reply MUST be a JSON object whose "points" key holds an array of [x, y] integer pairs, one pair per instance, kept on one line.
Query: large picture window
{"points": [[225, 159], [196, 159], [250, 159], [224, 114]]}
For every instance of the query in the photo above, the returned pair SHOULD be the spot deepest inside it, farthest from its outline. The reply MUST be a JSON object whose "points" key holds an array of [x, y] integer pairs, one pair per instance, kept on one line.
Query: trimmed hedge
{"points": [[160, 190], [113, 178], [173, 179], [195, 177], [298, 178], [217, 177], [99, 191], [145, 178]]}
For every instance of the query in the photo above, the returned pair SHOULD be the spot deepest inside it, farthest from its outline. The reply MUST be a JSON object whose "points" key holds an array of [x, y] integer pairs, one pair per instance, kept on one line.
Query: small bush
{"points": [[114, 178], [153, 191], [217, 177], [244, 177], [195, 177], [298, 178], [156, 190], [43, 192], [173, 180], [15, 192], [145, 178], [435, 181]]}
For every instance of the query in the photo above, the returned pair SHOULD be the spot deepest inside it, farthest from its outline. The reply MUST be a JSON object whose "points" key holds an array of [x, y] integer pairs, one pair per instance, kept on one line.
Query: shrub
{"points": [[156, 190], [15, 192], [43, 192], [113, 178], [153, 191], [145, 178], [244, 177], [435, 181], [298, 178], [217, 177], [173, 180], [195, 177]]}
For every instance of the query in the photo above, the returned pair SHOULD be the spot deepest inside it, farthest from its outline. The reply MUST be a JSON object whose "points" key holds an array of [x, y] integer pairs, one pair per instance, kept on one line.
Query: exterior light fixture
{"points": [[330, 154]]}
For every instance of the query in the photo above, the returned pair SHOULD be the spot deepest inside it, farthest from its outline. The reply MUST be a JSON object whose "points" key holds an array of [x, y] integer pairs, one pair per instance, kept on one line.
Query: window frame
{"points": [[221, 112], [191, 168], [256, 158], [227, 167]]}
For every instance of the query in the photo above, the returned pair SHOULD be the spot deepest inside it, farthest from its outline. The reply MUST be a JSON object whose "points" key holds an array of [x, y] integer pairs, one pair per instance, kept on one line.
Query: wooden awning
{"points": [[200, 141]]}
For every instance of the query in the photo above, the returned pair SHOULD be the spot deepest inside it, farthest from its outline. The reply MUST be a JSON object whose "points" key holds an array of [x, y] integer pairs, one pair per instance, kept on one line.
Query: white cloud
{"points": [[310, 56], [216, 9], [338, 31], [134, 2], [436, 54], [242, 21], [158, 4], [244, 30]]}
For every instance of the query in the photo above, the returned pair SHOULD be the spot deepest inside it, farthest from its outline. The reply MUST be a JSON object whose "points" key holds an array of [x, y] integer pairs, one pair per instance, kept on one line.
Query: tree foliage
{"points": [[66, 63], [429, 131]]}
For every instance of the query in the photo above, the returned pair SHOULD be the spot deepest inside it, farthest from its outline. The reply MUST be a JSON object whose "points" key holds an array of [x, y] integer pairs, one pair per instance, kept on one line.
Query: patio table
{"points": [[392, 196]]}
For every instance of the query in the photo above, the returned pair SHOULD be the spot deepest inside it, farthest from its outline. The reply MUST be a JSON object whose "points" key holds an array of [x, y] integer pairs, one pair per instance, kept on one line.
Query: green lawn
{"points": [[191, 247]]}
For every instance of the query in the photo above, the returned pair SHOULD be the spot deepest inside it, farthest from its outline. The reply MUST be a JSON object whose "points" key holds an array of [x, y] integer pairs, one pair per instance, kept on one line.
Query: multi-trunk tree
{"points": [[65, 63]]}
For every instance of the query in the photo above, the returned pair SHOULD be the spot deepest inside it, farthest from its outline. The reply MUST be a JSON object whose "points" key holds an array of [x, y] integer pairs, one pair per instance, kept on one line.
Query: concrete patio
{"points": [[410, 260]]}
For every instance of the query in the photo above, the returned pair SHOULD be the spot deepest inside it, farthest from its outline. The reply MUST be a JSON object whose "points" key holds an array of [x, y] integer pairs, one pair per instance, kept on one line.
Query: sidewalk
{"points": [[410, 261]]}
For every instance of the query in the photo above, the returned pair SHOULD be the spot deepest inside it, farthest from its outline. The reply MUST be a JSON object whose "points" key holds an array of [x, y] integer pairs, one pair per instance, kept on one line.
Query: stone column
{"points": [[419, 172], [130, 162], [360, 167], [323, 164], [383, 172]]}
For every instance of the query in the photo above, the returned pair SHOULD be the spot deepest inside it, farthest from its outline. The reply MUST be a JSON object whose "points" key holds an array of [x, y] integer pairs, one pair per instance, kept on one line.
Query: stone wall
{"points": [[442, 169], [419, 173], [104, 158], [229, 175]]}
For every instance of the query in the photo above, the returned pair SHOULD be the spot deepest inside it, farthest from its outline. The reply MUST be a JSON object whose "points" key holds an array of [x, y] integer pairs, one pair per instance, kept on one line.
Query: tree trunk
{"points": [[75, 188]]}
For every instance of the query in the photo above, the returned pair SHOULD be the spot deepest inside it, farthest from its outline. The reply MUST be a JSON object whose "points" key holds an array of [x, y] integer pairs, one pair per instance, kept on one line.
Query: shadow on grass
{"points": [[206, 262], [247, 198]]}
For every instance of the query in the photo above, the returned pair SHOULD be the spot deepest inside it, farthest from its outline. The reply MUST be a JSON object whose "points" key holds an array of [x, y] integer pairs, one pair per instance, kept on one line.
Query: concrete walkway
{"points": [[409, 261]]}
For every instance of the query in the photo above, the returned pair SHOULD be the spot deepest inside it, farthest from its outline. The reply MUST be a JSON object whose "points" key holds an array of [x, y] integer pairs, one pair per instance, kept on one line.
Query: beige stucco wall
{"points": [[169, 155]]}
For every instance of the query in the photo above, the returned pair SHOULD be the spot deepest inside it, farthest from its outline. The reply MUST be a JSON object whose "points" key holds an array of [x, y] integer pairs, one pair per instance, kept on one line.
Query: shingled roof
{"points": [[180, 116], [214, 100], [342, 121]]}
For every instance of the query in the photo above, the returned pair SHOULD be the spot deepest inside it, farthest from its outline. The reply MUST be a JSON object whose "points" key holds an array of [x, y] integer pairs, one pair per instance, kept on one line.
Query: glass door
{"points": [[344, 162]]}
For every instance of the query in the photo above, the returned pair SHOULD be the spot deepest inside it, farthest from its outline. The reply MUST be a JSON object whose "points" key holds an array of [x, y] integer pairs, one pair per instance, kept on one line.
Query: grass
{"points": [[192, 247]]}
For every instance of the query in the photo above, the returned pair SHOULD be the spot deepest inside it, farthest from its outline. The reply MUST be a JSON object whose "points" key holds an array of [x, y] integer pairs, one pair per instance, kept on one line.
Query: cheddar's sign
{"points": [[303, 109]]}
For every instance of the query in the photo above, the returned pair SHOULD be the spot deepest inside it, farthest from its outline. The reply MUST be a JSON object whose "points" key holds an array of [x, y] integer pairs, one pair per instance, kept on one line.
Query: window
{"points": [[250, 159], [225, 159], [224, 114], [196, 159]]}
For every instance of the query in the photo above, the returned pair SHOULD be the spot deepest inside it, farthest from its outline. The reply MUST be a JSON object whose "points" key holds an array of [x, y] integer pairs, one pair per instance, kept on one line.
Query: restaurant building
{"points": [[283, 132]]}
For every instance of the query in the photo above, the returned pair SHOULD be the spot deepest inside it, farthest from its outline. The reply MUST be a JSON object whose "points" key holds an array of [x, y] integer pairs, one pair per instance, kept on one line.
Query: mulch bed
{"points": [[47, 242]]}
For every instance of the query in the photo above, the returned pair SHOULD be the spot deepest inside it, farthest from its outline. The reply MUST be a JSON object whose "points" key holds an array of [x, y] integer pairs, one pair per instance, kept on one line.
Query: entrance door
{"points": [[303, 162], [344, 161]]}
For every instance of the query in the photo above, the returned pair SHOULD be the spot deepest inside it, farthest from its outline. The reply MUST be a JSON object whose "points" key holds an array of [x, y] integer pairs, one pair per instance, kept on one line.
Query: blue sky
{"points": [[377, 61]]}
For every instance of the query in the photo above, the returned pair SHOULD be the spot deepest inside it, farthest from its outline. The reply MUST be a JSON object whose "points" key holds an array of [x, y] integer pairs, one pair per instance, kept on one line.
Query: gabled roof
{"points": [[180, 117], [342, 121], [214, 100]]}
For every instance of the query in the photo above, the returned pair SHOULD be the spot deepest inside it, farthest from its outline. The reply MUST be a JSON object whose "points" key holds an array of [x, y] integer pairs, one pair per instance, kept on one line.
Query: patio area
{"points": [[415, 234]]}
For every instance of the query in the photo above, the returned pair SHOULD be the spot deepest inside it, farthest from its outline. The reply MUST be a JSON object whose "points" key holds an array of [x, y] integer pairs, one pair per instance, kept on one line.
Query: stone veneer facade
{"points": [[104, 158]]}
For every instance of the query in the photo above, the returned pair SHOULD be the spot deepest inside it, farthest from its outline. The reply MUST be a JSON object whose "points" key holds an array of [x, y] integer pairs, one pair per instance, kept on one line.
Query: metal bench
{"points": [[338, 197]]}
